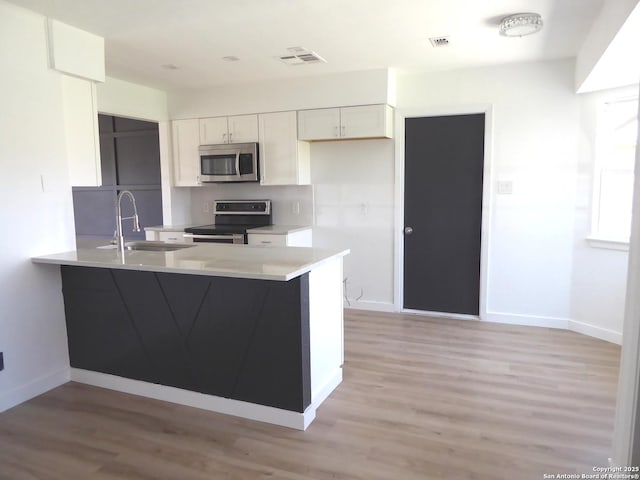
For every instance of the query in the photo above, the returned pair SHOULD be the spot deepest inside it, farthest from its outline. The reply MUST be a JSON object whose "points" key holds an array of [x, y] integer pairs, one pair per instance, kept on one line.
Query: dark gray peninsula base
{"points": [[235, 338]]}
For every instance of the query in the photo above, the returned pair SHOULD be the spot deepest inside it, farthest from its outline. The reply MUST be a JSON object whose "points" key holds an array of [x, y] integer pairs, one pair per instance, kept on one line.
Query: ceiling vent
{"points": [[439, 41], [300, 56]]}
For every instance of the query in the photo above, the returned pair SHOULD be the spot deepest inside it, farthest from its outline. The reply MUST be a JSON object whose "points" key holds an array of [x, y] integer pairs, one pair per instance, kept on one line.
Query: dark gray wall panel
{"points": [[138, 159], [94, 211], [130, 125], [130, 160]]}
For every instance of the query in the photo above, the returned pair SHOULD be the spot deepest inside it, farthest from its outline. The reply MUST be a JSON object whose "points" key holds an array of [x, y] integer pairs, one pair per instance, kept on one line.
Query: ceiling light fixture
{"points": [[520, 24]]}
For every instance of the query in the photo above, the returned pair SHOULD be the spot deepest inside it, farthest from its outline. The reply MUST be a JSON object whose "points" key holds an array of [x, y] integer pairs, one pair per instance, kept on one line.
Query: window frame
{"points": [[596, 237]]}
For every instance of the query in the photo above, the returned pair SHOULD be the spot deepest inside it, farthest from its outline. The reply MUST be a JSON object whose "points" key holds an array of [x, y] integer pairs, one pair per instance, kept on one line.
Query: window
{"points": [[617, 133]]}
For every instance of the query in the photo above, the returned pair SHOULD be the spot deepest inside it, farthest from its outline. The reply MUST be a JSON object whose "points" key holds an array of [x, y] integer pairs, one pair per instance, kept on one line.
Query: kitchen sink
{"points": [[150, 246]]}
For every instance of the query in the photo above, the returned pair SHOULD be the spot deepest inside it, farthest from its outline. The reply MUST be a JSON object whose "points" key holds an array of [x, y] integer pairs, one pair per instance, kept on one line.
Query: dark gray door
{"points": [[444, 159]]}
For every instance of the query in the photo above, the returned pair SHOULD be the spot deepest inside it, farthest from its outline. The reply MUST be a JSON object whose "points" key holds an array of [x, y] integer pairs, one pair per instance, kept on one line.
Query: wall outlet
{"points": [[295, 208], [1, 361], [205, 207], [505, 187]]}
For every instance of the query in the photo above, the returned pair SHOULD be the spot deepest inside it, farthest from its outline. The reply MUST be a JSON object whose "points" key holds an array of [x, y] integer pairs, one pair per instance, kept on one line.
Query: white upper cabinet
{"points": [[81, 132], [243, 128], [186, 159], [235, 129], [367, 121], [284, 160], [213, 131], [318, 124]]}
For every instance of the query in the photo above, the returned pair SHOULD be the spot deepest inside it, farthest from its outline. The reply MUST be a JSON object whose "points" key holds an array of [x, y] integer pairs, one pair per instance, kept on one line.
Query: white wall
{"points": [[599, 275], [607, 51], [126, 99], [541, 270], [626, 435], [353, 88], [354, 198], [32, 148]]}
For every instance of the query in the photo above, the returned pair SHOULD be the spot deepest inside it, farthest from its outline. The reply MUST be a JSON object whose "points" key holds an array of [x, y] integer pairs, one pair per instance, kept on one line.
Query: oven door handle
{"points": [[208, 237]]}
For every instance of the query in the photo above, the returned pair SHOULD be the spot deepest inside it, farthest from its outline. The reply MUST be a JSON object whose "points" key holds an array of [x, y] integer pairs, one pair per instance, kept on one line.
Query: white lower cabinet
{"points": [[166, 236], [171, 237], [300, 238], [267, 240], [284, 160]]}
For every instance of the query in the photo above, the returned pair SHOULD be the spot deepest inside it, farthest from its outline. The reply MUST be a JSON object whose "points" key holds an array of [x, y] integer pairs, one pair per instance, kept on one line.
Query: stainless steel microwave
{"points": [[233, 162]]}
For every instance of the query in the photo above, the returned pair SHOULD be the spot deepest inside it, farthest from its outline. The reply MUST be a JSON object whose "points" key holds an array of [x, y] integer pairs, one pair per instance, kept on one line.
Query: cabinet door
{"points": [[321, 124], [283, 159], [366, 121], [243, 128], [267, 240], [214, 131], [186, 160], [171, 237], [81, 131]]}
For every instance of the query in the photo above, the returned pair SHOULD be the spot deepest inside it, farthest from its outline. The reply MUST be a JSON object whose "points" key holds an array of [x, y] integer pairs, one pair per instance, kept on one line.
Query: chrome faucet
{"points": [[119, 218]]}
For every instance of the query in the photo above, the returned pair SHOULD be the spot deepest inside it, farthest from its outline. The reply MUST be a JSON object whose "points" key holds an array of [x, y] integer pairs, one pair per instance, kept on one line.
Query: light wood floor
{"points": [[422, 398]]}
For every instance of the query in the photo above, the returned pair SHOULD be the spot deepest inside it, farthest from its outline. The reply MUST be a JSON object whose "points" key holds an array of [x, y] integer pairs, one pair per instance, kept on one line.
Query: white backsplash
{"points": [[292, 205], [354, 208]]}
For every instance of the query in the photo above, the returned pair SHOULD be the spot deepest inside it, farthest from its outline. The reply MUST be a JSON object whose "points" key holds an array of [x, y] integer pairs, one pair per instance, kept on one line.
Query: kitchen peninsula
{"points": [[249, 331]]}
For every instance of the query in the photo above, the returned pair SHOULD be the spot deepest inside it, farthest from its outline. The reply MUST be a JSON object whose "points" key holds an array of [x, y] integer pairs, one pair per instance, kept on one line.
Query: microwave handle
{"points": [[237, 164]]}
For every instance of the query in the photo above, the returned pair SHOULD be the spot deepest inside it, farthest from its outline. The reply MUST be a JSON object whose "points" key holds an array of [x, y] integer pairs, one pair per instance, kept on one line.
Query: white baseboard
{"points": [[526, 320], [34, 388], [536, 321], [373, 306], [327, 388], [597, 332], [252, 411]]}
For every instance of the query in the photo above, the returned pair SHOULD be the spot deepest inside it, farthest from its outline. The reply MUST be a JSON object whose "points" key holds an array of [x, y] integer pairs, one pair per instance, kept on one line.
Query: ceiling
{"points": [[143, 35]]}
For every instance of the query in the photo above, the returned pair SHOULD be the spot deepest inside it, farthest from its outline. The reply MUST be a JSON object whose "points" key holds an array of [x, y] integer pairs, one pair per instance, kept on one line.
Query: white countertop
{"points": [[279, 229], [240, 261]]}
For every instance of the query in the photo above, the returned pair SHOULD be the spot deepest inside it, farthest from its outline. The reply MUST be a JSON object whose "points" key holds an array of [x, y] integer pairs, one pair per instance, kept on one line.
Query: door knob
{"points": [[408, 230]]}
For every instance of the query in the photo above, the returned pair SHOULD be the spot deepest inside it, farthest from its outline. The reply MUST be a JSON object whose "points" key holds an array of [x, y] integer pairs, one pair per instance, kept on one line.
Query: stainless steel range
{"points": [[232, 220]]}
